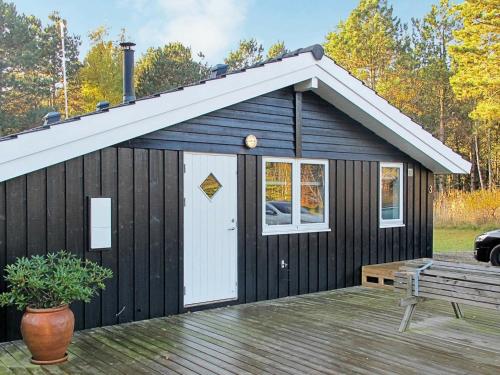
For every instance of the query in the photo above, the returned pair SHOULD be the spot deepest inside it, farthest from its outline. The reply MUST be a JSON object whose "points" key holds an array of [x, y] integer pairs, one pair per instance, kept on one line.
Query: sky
{"points": [[213, 27]]}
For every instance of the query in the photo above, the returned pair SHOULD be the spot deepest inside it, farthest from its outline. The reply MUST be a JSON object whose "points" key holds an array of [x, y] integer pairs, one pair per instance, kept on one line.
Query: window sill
{"points": [[391, 225], [289, 231]]}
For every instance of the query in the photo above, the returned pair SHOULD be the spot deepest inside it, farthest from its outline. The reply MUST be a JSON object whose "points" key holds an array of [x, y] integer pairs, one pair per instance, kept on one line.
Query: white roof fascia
{"points": [[31, 151]]}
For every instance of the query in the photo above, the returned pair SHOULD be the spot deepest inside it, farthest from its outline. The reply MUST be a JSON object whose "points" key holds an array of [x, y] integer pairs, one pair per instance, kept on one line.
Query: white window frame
{"points": [[392, 223], [296, 226]]}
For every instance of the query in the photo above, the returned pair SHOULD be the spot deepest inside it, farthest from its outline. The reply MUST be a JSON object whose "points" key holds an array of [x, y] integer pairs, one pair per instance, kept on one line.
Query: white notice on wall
{"points": [[100, 223]]}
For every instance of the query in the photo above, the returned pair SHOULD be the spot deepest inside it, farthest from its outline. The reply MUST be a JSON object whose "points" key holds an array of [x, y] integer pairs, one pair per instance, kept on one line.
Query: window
{"points": [[295, 195], [391, 195]]}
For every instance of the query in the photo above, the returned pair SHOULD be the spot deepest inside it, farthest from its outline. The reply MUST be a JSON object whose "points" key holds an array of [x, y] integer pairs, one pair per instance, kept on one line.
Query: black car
{"points": [[487, 247]]}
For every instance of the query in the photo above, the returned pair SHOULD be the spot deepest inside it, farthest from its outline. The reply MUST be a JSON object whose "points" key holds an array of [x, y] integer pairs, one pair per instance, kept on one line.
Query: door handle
{"points": [[232, 228]]}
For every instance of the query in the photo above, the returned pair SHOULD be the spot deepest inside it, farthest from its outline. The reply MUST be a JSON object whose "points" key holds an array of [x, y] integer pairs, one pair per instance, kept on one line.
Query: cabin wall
{"points": [[327, 132], [47, 211]]}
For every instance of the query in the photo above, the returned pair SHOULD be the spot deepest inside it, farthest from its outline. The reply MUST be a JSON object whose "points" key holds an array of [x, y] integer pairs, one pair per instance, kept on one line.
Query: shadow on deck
{"points": [[351, 330]]}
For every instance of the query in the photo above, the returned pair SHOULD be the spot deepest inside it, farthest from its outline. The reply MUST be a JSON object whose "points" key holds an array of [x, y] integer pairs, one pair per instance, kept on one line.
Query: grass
{"points": [[456, 239], [459, 216]]}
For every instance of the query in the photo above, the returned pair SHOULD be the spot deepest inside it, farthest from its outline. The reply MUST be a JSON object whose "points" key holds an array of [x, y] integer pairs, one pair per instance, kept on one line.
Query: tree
{"points": [[100, 77], [167, 67], [476, 55], [249, 52], [477, 79], [365, 43], [276, 49], [30, 67]]}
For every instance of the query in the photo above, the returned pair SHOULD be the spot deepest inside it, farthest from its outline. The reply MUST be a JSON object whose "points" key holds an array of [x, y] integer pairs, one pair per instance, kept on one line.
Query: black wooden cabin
{"points": [[329, 226]]}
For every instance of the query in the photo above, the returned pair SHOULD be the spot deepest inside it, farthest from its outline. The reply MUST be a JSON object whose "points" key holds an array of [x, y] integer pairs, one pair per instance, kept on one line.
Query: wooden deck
{"points": [[345, 331]]}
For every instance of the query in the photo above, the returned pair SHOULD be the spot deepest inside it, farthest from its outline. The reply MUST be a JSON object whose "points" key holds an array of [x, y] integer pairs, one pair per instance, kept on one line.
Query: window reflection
{"points": [[312, 193], [390, 193], [278, 193]]}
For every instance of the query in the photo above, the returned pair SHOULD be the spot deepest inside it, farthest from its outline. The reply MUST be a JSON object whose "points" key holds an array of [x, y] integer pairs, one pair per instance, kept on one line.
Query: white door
{"points": [[210, 228]]}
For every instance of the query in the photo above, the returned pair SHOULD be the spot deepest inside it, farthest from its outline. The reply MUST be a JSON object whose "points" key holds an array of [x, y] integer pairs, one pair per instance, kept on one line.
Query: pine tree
{"points": [[167, 67], [276, 49], [249, 52], [365, 43]]}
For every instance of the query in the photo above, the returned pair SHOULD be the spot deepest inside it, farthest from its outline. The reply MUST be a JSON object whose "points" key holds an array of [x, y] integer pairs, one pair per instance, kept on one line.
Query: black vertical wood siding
{"points": [[47, 210], [328, 260]]}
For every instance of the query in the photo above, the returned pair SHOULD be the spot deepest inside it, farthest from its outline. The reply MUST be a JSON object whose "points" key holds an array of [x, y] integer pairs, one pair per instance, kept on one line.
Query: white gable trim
{"points": [[32, 151]]}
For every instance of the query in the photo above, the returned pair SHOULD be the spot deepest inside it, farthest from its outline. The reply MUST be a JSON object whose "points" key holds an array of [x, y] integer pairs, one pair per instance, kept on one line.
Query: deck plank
{"points": [[353, 330]]}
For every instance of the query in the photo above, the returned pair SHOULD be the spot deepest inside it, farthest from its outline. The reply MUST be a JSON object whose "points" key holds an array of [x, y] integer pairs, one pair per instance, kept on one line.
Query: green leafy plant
{"points": [[52, 280]]}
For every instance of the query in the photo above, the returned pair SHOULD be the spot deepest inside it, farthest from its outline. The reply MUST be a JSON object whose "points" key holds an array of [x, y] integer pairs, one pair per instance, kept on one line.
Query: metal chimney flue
{"points": [[128, 72]]}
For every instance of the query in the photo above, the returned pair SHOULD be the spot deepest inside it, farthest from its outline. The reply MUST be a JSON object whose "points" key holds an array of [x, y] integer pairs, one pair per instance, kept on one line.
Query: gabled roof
{"points": [[306, 68]]}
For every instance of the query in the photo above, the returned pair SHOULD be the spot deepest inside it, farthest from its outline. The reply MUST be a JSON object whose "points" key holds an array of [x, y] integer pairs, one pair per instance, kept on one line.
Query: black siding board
{"points": [[75, 241], [349, 223], [430, 199], [293, 265], [92, 189], [322, 261], [331, 238], [156, 230], [56, 215], [268, 132], [388, 244], [36, 201], [283, 272], [365, 213], [141, 234], [109, 189], [125, 235], [207, 147], [313, 262], [374, 212], [262, 247], [3, 255], [303, 263], [241, 229], [403, 230], [15, 240], [357, 214], [272, 267], [250, 229], [416, 212], [173, 198], [341, 225], [236, 124], [409, 215]]}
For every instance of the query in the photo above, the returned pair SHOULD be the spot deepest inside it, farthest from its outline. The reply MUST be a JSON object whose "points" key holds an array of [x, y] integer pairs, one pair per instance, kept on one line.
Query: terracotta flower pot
{"points": [[47, 333]]}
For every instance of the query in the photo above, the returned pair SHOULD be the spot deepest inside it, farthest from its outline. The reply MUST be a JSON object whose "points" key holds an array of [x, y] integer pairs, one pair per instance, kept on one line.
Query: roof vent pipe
{"points": [[218, 70], [51, 118], [128, 72], [102, 105]]}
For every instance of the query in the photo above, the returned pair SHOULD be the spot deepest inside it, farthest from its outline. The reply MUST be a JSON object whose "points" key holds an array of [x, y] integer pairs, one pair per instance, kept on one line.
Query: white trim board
{"points": [[32, 151]]}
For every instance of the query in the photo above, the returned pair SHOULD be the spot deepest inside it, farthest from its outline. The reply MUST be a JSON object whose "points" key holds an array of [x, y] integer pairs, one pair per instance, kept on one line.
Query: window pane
{"points": [[278, 193], [391, 183], [312, 193]]}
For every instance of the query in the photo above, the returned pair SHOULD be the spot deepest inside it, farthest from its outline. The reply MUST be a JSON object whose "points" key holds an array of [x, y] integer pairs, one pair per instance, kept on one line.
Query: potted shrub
{"points": [[44, 286]]}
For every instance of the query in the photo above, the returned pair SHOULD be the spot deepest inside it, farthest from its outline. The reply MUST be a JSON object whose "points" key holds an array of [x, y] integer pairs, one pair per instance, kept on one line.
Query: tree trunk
{"points": [[476, 146], [441, 129], [490, 172], [473, 167]]}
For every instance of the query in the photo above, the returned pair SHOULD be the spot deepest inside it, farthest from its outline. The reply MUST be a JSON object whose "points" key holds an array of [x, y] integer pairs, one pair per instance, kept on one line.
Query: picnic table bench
{"points": [[458, 283]]}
